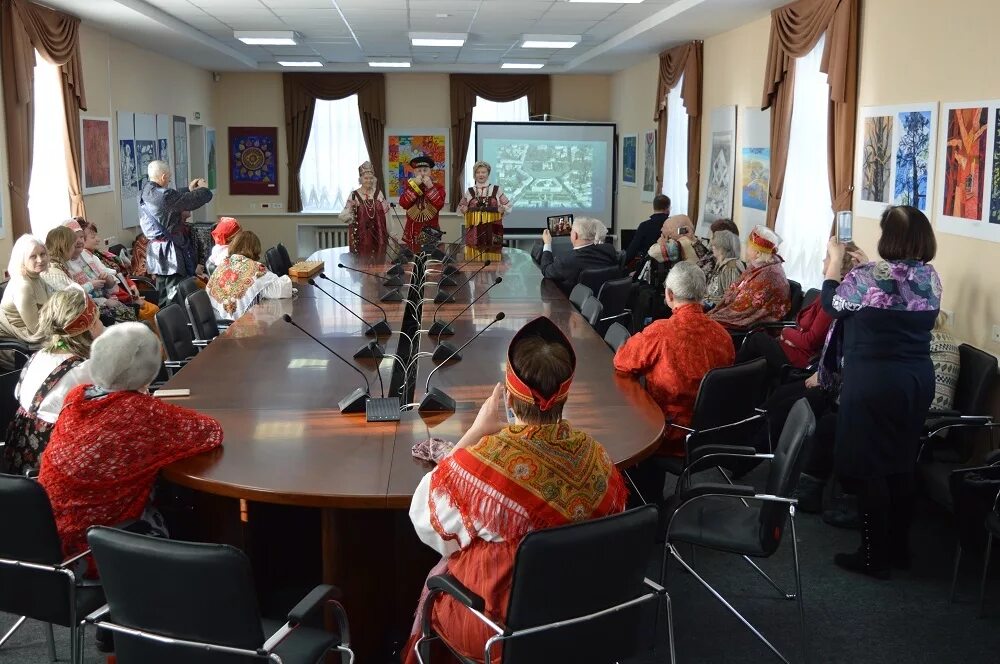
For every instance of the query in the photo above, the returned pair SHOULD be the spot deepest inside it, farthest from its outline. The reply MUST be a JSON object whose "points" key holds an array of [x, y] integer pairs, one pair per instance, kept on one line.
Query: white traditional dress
{"points": [[240, 282]]}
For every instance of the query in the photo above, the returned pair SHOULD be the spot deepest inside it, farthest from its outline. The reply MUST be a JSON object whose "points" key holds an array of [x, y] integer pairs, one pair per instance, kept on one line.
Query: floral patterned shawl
{"points": [[760, 296], [235, 284]]}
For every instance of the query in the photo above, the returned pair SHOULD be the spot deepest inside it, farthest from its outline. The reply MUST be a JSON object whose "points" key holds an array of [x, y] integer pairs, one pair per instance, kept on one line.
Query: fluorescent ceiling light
{"points": [[299, 63], [612, 2], [389, 63], [267, 37], [438, 38], [549, 41], [522, 65]]}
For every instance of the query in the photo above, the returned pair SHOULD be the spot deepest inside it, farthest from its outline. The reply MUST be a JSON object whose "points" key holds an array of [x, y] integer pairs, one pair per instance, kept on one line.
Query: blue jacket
{"points": [[171, 248]]}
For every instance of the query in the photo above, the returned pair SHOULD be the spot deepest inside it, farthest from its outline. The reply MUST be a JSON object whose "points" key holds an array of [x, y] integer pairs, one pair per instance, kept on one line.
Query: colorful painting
{"points": [[213, 175], [404, 147], [756, 177], [95, 154], [913, 159], [876, 164], [126, 163], [648, 165], [145, 153], [629, 142], [253, 161], [964, 163], [994, 217]]}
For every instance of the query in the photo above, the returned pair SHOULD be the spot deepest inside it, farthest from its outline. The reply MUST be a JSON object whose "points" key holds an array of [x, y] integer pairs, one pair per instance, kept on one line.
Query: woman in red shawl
{"points": [[761, 295], [503, 481], [112, 438]]}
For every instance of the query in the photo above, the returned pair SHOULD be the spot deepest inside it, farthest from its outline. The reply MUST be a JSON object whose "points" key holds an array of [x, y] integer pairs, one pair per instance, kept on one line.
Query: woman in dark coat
{"points": [[879, 348]]}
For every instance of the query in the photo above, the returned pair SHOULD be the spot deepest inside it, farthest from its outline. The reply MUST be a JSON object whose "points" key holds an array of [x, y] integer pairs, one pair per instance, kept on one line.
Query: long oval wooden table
{"points": [[349, 482]]}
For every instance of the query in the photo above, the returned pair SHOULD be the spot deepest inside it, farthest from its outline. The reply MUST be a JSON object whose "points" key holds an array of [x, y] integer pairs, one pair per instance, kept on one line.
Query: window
{"points": [[805, 215], [48, 187], [492, 111], [336, 148], [675, 156]]}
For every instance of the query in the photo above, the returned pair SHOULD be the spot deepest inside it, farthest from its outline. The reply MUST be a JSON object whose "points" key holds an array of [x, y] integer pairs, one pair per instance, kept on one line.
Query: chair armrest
{"points": [[72, 560], [944, 412], [148, 283], [935, 426], [451, 586], [776, 325], [727, 450], [98, 614], [313, 601], [718, 489], [992, 458]]}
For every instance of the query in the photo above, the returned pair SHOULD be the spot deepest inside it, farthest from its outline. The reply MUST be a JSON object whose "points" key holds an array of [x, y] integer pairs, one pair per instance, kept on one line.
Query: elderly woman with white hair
{"points": [[761, 295], [26, 291], [590, 251], [112, 438], [484, 206], [728, 268]]}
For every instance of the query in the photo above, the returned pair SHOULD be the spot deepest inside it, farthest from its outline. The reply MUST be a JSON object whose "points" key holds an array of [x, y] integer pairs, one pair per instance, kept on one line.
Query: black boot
{"points": [[900, 517], [810, 494], [872, 557]]}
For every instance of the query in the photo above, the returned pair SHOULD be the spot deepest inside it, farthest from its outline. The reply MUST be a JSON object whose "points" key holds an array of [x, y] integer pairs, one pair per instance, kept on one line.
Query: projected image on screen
{"points": [[550, 168], [537, 174]]}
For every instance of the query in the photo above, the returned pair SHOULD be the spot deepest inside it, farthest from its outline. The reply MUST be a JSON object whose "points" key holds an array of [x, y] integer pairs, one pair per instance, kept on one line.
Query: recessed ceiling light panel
{"points": [[267, 37], [300, 63], [549, 41], [389, 62], [453, 39], [522, 65]]}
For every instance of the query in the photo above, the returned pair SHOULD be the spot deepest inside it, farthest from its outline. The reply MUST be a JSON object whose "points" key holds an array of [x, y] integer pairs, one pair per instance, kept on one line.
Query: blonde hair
{"points": [[245, 243], [19, 253], [60, 242], [62, 308]]}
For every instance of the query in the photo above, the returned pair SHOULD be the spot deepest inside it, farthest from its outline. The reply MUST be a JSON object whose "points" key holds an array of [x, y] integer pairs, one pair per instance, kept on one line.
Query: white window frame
{"points": [[48, 184], [675, 154], [335, 150]]}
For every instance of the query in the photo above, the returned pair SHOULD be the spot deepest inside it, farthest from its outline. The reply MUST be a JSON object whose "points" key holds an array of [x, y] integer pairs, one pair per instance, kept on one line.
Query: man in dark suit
{"points": [[589, 251], [648, 232]]}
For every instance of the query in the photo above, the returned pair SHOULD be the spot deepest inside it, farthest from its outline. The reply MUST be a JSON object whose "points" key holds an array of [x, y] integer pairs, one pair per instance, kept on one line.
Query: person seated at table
{"points": [[112, 439], [674, 354], [105, 262], [70, 323], [222, 234], [761, 295], [26, 292], [649, 230], [728, 266], [707, 262], [504, 480], [241, 280], [677, 242], [590, 251]]}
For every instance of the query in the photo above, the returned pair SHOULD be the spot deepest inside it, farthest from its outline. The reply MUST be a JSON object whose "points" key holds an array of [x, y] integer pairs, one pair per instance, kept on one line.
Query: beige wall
{"points": [[633, 98], [119, 76]]}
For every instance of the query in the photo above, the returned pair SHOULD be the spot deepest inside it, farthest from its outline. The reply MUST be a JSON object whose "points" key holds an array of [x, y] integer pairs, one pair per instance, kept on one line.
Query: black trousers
{"points": [[886, 508], [166, 288]]}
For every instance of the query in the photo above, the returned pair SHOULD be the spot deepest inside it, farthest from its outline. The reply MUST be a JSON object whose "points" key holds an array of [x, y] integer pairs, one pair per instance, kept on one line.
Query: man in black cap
{"points": [[422, 199]]}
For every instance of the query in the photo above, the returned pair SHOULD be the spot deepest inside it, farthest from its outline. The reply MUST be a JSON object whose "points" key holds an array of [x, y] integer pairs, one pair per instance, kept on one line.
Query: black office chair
{"points": [[614, 296], [175, 333], [18, 352], [591, 310], [35, 581], [809, 297], [616, 336], [739, 519], [274, 262], [795, 299], [171, 601], [286, 260], [185, 288], [579, 294], [560, 609], [202, 316], [594, 278]]}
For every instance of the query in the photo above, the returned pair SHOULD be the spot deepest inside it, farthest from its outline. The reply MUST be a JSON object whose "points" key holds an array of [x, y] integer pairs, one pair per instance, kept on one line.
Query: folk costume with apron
{"points": [[484, 208], [422, 207]]}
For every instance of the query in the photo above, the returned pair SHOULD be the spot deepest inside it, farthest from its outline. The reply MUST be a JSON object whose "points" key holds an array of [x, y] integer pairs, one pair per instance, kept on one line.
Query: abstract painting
{"points": [[876, 159], [95, 154], [756, 169], [965, 158], [913, 159], [994, 217], [648, 165], [405, 145], [127, 168], [145, 153], [719, 197], [253, 161], [628, 159], [212, 175]]}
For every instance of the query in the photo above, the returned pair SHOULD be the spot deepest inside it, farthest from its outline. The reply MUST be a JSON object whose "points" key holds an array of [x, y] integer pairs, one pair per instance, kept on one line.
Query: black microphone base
{"points": [[440, 329], [450, 270], [447, 280], [392, 296], [395, 270], [436, 401], [354, 402], [443, 297], [445, 351], [385, 409], [379, 329], [393, 282], [370, 351]]}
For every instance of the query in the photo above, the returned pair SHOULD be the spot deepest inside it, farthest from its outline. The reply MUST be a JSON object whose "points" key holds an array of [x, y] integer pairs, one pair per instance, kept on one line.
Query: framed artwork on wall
{"points": [[404, 145], [629, 145], [253, 161], [95, 155]]}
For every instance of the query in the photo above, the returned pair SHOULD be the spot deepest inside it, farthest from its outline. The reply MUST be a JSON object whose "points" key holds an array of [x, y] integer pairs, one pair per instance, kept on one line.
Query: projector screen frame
{"points": [[527, 232]]}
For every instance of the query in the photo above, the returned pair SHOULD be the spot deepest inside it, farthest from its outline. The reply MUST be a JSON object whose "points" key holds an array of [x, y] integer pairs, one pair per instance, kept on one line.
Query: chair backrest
{"points": [[727, 395], [185, 288], [175, 333], [272, 258], [783, 477], [591, 310], [616, 336], [977, 373], [576, 570], [29, 535], [184, 590], [614, 295], [795, 298], [286, 260], [594, 278], [579, 294], [202, 315], [809, 297]]}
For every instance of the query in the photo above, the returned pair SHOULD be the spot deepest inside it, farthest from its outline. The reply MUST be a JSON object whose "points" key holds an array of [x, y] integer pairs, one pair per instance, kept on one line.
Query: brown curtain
{"points": [[301, 92], [25, 28], [685, 60], [795, 30], [496, 87]]}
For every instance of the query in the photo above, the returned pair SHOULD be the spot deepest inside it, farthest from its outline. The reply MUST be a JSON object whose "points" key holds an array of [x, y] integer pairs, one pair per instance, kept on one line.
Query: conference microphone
{"points": [[368, 351], [437, 328], [383, 409], [443, 297], [436, 400], [392, 282], [380, 328], [451, 269]]}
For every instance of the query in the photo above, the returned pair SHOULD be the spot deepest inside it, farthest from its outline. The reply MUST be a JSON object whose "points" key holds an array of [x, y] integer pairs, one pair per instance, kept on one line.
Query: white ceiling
{"points": [[345, 34]]}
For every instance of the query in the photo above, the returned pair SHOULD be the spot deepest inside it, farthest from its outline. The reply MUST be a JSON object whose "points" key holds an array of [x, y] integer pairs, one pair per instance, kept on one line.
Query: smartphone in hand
{"points": [[845, 227]]}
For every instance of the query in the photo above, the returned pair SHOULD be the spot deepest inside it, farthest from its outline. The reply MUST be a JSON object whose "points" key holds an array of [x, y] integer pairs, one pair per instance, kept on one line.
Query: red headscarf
{"points": [[225, 230]]}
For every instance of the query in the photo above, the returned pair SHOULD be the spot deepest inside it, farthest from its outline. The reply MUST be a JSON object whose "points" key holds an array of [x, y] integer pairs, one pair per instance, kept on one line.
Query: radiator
{"points": [[327, 237]]}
